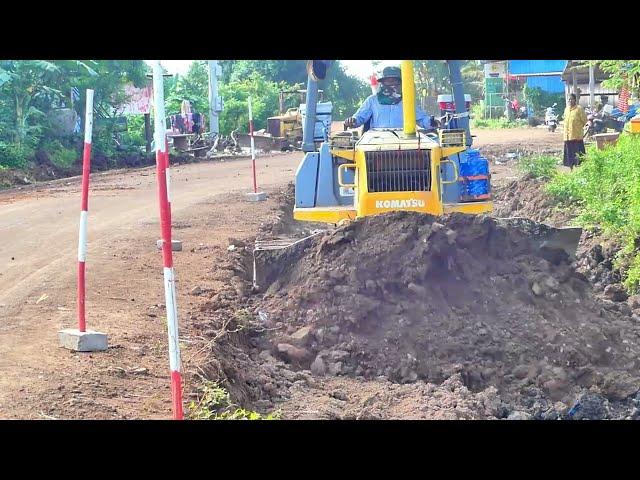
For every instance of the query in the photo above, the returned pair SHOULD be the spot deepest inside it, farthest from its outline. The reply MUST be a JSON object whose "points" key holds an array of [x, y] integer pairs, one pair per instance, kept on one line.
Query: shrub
{"points": [[539, 166], [606, 189], [215, 404], [60, 155], [14, 155]]}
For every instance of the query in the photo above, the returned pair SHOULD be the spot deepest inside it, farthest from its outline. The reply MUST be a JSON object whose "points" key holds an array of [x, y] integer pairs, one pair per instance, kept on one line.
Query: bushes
{"points": [[497, 123], [540, 166], [215, 404], [606, 189], [15, 155], [539, 100], [60, 155], [135, 131]]}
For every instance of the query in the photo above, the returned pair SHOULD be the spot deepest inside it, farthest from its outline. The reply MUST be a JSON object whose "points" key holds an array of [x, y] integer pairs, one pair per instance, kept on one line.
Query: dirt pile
{"points": [[526, 197], [596, 255], [406, 297]]}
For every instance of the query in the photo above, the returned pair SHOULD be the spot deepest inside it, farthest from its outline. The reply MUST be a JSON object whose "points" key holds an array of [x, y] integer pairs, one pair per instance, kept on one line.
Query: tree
{"points": [[193, 86], [623, 73], [344, 91], [432, 77], [30, 89], [264, 96]]}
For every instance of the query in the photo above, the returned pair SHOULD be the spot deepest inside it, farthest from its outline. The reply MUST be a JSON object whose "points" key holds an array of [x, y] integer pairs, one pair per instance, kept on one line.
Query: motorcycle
{"points": [[522, 113], [595, 123], [551, 118], [514, 109]]}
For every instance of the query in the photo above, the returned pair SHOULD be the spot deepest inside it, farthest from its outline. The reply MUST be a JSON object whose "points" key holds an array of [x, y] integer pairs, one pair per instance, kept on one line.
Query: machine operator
{"points": [[384, 109]]}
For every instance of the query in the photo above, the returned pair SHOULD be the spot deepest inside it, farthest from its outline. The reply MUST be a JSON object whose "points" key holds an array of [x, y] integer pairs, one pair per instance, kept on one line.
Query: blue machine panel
{"points": [[306, 179]]}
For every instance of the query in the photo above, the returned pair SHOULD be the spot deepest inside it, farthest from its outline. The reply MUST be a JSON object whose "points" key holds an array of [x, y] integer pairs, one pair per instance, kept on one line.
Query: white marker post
{"points": [[79, 339], [254, 196], [167, 255]]}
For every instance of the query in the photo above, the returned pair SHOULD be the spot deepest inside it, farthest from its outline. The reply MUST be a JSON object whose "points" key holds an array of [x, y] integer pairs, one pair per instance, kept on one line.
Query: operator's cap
{"points": [[391, 72]]}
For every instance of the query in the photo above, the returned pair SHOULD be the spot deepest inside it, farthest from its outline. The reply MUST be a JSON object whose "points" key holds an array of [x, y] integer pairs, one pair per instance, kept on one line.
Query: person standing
{"points": [[574, 120]]}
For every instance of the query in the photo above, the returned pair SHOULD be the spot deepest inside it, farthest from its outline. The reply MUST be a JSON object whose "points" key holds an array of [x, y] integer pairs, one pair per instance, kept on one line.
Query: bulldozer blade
{"points": [[272, 256], [260, 142], [565, 238], [550, 240]]}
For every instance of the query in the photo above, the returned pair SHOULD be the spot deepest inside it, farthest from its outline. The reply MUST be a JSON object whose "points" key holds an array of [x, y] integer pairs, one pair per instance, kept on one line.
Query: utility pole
{"points": [[592, 82], [215, 102]]}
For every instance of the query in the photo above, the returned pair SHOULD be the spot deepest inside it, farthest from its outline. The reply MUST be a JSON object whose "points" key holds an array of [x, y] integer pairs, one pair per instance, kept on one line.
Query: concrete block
{"points": [[256, 197], [89, 341], [176, 245]]}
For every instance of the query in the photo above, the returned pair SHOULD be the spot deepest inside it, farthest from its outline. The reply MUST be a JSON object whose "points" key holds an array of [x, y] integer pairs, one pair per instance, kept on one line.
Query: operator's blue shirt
{"points": [[387, 116]]}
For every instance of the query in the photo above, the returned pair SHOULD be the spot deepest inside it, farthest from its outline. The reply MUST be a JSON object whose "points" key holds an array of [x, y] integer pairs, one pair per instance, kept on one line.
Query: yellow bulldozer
{"points": [[389, 169], [287, 125], [284, 131]]}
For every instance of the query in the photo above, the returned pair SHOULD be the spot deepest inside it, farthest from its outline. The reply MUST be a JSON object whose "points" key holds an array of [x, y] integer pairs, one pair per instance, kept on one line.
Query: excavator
{"points": [[345, 176]]}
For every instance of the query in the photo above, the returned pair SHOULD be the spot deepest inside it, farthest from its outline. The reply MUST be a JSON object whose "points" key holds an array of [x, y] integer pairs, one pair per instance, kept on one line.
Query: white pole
{"points": [[167, 256], [253, 148], [213, 97], [592, 82]]}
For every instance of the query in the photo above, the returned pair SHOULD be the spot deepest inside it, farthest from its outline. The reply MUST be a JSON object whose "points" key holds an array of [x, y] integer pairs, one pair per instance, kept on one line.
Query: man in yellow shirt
{"points": [[574, 120]]}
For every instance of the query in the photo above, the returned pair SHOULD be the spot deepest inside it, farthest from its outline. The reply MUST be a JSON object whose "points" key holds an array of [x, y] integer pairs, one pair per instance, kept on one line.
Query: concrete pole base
{"points": [[176, 245], [89, 341], [256, 197]]}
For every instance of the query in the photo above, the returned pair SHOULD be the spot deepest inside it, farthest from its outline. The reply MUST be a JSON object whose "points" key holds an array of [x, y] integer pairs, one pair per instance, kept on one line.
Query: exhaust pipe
{"points": [[458, 97], [316, 70]]}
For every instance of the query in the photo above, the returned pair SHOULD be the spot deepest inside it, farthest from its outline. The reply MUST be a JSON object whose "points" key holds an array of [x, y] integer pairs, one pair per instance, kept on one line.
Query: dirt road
{"points": [[38, 228], [38, 265]]}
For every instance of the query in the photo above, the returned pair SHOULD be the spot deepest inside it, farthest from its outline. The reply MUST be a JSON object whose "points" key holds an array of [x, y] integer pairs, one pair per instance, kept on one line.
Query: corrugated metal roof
{"points": [[551, 84], [523, 67]]}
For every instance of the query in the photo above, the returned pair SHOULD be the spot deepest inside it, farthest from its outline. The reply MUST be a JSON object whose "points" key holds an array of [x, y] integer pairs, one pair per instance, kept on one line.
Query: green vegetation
{"points": [[14, 155], [215, 404], [622, 73], [539, 100], [606, 190], [60, 155], [496, 123], [32, 90], [539, 166], [478, 119]]}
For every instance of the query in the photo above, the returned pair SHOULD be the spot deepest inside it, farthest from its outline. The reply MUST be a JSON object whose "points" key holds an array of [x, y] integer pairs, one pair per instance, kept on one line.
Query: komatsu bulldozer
{"points": [[388, 169]]}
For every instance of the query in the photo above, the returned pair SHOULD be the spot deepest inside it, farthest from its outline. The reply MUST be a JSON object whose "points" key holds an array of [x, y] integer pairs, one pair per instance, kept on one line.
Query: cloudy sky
{"points": [[358, 68]]}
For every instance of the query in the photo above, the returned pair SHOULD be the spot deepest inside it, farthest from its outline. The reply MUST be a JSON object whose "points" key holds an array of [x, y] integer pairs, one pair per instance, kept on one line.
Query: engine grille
{"points": [[398, 171]]}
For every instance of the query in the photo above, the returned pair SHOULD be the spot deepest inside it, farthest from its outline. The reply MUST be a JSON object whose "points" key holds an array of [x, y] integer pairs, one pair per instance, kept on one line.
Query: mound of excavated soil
{"points": [[527, 198], [407, 297]]}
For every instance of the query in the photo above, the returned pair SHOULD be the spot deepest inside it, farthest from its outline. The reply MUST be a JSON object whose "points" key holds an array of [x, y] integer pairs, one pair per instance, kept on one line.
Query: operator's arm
{"points": [[364, 113], [423, 120]]}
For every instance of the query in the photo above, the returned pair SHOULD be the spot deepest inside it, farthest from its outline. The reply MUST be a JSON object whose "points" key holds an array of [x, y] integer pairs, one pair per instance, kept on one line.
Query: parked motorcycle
{"points": [[514, 109], [595, 123], [551, 118]]}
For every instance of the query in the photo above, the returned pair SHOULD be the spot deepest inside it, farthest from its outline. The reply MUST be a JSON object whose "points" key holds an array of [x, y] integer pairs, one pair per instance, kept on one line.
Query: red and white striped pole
{"points": [[374, 84], [84, 211], [164, 200], [253, 148], [168, 174]]}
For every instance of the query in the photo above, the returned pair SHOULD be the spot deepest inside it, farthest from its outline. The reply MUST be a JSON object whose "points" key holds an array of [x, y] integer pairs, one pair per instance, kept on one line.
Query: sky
{"points": [[359, 68]]}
